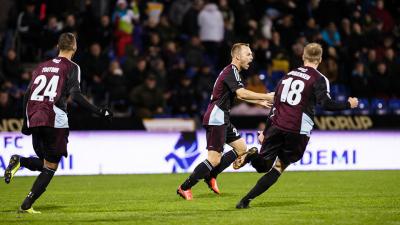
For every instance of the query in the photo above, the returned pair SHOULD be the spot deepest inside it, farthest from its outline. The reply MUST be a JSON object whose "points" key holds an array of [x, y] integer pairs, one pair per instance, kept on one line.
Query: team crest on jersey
{"points": [[185, 152], [56, 60], [303, 69]]}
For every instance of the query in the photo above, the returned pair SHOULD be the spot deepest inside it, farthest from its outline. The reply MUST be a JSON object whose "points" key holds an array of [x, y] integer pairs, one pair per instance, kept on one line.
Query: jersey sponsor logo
{"points": [[185, 152], [56, 60]]}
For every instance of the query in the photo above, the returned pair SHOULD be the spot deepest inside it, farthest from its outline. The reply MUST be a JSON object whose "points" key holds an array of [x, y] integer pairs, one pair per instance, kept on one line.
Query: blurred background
{"points": [[156, 60]]}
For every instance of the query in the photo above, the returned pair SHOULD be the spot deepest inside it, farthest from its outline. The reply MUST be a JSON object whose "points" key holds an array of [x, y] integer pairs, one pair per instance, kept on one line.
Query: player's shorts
{"points": [[50, 143], [217, 136], [289, 147]]}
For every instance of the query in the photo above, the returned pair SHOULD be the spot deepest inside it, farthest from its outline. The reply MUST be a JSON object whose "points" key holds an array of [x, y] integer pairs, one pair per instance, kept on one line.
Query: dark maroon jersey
{"points": [[46, 97], [223, 95], [296, 95]]}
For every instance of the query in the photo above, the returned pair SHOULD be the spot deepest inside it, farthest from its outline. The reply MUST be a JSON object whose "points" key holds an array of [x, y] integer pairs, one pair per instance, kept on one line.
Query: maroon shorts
{"points": [[289, 147], [50, 143], [217, 136]]}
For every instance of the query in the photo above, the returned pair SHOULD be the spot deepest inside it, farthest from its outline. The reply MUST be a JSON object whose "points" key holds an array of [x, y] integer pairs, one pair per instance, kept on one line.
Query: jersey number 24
{"points": [[50, 88]]}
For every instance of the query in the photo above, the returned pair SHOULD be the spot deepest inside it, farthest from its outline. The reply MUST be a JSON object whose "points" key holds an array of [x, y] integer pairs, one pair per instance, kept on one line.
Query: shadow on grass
{"points": [[277, 204], [213, 195], [39, 208]]}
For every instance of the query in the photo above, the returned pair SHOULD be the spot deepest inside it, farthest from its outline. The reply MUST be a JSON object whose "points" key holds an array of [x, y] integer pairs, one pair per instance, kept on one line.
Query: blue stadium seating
{"points": [[394, 106], [379, 106]]}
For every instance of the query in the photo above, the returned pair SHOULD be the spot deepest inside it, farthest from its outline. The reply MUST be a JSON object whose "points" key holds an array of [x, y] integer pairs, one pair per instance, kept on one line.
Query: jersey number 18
{"points": [[291, 92]]}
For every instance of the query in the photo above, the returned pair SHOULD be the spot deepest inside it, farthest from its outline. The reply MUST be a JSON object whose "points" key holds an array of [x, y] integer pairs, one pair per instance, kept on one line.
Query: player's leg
{"points": [[291, 149], [39, 186], [201, 171], [239, 147], [263, 184], [55, 143], [271, 141], [31, 163], [215, 142]]}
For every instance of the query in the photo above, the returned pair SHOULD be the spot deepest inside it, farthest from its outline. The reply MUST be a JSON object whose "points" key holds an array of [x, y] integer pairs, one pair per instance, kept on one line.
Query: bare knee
{"points": [[214, 158], [239, 146], [51, 165], [280, 166]]}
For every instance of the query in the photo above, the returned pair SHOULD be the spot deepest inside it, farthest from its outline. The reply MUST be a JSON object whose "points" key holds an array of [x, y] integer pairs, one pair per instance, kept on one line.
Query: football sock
{"points": [[202, 170], [38, 187], [31, 163], [226, 160], [263, 184], [260, 164]]}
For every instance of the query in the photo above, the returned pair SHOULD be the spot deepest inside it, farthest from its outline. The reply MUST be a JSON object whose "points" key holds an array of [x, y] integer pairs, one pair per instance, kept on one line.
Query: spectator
{"points": [[381, 81], [123, 19], [115, 82], [29, 29], [360, 82], [147, 98], [12, 67], [183, 98], [254, 83], [8, 106], [178, 10], [331, 36], [190, 25], [211, 25], [380, 13], [103, 33], [50, 33], [194, 52]]}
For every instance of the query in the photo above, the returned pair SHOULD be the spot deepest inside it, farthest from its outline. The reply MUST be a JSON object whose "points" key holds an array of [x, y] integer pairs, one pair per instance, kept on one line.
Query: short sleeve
{"points": [[233, 80]]}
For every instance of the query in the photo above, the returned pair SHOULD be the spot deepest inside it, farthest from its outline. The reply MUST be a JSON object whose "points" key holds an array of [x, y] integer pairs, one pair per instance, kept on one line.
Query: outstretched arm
{"points": [[324, 99], [264, 103], [245, 94]]}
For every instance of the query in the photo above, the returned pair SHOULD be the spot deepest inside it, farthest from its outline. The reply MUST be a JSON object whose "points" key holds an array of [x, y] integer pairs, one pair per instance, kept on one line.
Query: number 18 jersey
{"points": [[296, 95], [46, 97]]}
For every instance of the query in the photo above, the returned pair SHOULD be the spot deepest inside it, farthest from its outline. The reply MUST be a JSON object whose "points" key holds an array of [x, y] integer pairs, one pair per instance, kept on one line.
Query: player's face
{"points": [[246, 57]]}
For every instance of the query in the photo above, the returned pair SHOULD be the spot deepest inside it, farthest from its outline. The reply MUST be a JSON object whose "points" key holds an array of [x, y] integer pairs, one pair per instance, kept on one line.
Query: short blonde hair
{"points": [[312, 53], [237, 47]]}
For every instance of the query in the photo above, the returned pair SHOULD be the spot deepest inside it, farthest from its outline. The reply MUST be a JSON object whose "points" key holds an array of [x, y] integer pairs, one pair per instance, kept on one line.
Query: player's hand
{"points": [[265, 103], [353, 102], [106, 113]]}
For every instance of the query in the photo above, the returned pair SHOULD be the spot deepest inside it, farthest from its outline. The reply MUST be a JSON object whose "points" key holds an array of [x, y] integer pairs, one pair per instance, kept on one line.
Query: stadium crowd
{"points": [[161, 58]]}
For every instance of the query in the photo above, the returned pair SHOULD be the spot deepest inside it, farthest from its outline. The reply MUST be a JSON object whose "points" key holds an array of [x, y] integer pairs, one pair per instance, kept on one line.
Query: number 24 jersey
{"points": [[46, 97]]}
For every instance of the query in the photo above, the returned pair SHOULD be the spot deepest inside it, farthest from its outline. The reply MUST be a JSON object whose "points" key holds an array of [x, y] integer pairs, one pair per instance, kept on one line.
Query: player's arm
{"points": [[79, 98], [245, 94], [234, 83], [325, 100], [25, 129], [263, 103]]}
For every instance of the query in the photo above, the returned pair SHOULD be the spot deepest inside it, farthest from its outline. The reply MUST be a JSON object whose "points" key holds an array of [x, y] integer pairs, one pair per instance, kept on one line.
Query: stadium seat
{"points": [[363, 107], [379, 106], [394, 106]]}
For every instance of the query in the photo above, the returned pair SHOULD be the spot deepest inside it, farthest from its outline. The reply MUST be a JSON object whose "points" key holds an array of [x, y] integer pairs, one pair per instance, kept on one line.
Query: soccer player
{"points": [[289, 125], [45, 106], [219, 130]]}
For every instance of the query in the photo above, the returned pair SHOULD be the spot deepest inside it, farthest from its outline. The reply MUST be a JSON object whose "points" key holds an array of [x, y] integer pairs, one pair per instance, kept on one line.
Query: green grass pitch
{"points": [[348, 197]]}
